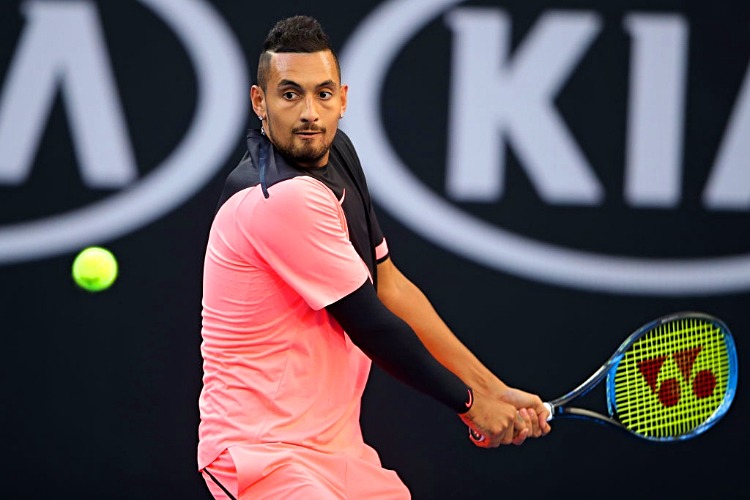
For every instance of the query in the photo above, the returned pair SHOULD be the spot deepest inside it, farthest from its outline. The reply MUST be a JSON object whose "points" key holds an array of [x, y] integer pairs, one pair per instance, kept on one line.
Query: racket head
{"points": [[674, 378]]}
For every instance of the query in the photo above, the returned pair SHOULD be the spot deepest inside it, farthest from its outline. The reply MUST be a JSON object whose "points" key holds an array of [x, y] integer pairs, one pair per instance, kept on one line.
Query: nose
{"points": [[310, 112]]}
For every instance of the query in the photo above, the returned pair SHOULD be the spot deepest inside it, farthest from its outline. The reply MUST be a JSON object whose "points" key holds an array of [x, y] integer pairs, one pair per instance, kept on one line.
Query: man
{"points": [[300, 294]]}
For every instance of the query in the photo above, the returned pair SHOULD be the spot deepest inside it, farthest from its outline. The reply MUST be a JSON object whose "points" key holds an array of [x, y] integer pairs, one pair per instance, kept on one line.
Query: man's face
{"points": [[302, 105]]}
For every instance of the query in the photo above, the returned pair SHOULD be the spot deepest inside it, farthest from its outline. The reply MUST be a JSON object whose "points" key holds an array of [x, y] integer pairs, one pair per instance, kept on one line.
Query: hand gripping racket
{"points": [[670, 380]]}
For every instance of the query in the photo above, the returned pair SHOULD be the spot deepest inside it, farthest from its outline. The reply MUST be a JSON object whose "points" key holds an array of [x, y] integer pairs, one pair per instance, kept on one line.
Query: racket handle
{"points": [[551, 408], [479, 438], [476, 436]]}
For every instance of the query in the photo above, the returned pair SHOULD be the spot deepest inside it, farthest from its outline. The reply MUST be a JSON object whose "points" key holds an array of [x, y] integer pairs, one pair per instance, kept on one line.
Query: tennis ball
{"points": [[94, 269]]}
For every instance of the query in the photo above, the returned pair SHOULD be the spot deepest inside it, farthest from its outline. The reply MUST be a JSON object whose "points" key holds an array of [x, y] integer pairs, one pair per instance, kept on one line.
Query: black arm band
{"points": [[394, 347]]}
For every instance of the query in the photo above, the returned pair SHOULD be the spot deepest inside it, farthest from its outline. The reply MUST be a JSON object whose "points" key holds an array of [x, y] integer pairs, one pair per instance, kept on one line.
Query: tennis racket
{"points": [[672, 379]]}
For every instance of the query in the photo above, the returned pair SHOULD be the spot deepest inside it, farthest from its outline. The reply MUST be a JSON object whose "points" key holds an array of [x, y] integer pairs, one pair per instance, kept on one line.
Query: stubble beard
{"points": [[307, 153]]}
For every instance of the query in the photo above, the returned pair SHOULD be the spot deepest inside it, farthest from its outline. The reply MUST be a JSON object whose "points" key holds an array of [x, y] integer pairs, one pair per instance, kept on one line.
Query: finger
{"points": [[516, 430], [520, 422], [533, 421], [544, 417], [544, 425], [522, 426], [509, 436], [520, 437]]}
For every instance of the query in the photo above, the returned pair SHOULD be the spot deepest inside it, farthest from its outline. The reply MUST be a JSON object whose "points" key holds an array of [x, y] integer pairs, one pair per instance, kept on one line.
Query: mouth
{"points": [[308, 133]]}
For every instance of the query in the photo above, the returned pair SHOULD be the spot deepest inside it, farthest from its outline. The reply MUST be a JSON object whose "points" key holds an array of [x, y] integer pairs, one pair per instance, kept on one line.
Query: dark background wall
{"points": [[100, 391]]}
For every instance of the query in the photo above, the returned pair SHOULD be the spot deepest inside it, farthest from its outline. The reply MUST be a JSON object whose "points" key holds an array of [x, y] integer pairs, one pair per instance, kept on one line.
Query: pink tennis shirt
{"points": [[277, 367]]}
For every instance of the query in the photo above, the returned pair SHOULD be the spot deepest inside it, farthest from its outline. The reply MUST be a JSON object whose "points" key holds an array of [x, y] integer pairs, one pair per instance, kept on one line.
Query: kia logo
{"points": [[523, 84]]}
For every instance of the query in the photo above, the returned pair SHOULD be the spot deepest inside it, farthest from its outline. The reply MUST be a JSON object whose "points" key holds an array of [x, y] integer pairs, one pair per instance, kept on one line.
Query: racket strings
{"points": [[673, 379]]}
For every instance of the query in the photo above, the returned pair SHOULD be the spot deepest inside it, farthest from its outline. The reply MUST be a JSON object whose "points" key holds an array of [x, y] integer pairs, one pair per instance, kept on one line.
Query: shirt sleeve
{"points": [[300, 232], [378, 240], [350, 160]]}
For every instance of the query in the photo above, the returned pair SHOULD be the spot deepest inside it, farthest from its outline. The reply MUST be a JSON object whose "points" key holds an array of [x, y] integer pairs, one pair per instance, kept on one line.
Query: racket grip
{"points": [[479, 437], [476, 436], [551, 408]]}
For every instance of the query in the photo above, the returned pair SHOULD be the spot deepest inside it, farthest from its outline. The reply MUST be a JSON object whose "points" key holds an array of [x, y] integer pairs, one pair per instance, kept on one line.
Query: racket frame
{"points": [[558, 407]]}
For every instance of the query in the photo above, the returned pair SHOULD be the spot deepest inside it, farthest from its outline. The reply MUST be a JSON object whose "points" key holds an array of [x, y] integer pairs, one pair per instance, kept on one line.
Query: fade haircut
{"points": [[301, 34]]}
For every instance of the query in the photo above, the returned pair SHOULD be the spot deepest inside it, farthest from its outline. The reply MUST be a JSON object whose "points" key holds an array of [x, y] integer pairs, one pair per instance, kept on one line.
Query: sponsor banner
{"points": [[551, 174], [62, 53], [518, 179]]}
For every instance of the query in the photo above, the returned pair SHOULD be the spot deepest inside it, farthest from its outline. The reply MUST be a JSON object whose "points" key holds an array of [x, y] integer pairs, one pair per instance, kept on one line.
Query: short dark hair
{"points": [[294, 34]]}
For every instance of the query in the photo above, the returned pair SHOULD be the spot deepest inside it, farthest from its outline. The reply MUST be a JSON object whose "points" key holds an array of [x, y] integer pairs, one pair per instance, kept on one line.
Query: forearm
{"points": [[393, 346], [406, 301]]}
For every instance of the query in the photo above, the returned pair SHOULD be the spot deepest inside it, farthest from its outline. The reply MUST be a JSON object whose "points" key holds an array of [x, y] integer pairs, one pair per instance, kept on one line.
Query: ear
{"points": [[343, 92], [258, 99]]}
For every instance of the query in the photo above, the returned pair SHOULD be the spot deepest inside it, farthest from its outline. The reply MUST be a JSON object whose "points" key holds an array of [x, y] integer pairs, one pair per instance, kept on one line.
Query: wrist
{"points": [[469, 401], [492, 387]]}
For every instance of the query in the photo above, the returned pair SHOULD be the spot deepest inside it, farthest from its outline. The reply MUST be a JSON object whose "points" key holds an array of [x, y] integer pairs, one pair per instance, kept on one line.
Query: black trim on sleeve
{"points": [[394, 347]]}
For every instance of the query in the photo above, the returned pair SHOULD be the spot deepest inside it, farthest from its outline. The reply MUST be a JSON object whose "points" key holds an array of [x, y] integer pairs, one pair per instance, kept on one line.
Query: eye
{"points": [[289, 95], [325, 94]]}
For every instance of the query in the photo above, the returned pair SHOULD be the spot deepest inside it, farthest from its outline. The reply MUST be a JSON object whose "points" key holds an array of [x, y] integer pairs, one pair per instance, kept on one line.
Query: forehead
{"points": [[303, 68]]}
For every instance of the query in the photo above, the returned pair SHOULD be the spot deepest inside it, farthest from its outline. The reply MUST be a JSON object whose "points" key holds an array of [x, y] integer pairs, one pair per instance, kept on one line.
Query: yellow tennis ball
{"points": [[94, 269]]}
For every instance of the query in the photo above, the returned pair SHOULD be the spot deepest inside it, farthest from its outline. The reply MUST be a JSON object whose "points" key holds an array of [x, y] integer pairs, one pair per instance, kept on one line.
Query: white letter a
{"points": [[62, 46]]}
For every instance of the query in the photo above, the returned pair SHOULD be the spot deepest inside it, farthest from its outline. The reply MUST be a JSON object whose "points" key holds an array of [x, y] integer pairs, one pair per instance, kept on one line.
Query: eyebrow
{"points": [[292, 83]]}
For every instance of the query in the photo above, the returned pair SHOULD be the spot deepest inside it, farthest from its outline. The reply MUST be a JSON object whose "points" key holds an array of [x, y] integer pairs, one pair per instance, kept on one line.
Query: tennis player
{"points": [[301, 295]]}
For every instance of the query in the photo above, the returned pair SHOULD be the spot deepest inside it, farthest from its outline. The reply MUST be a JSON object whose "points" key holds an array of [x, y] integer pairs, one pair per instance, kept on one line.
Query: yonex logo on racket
{"points": [[673, 377], [669, 390], [648, 374]]}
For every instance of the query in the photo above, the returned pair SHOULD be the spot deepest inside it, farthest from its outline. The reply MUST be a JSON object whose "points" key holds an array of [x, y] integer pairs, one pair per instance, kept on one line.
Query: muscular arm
{"points": [[392, 345], [408, 302]]}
